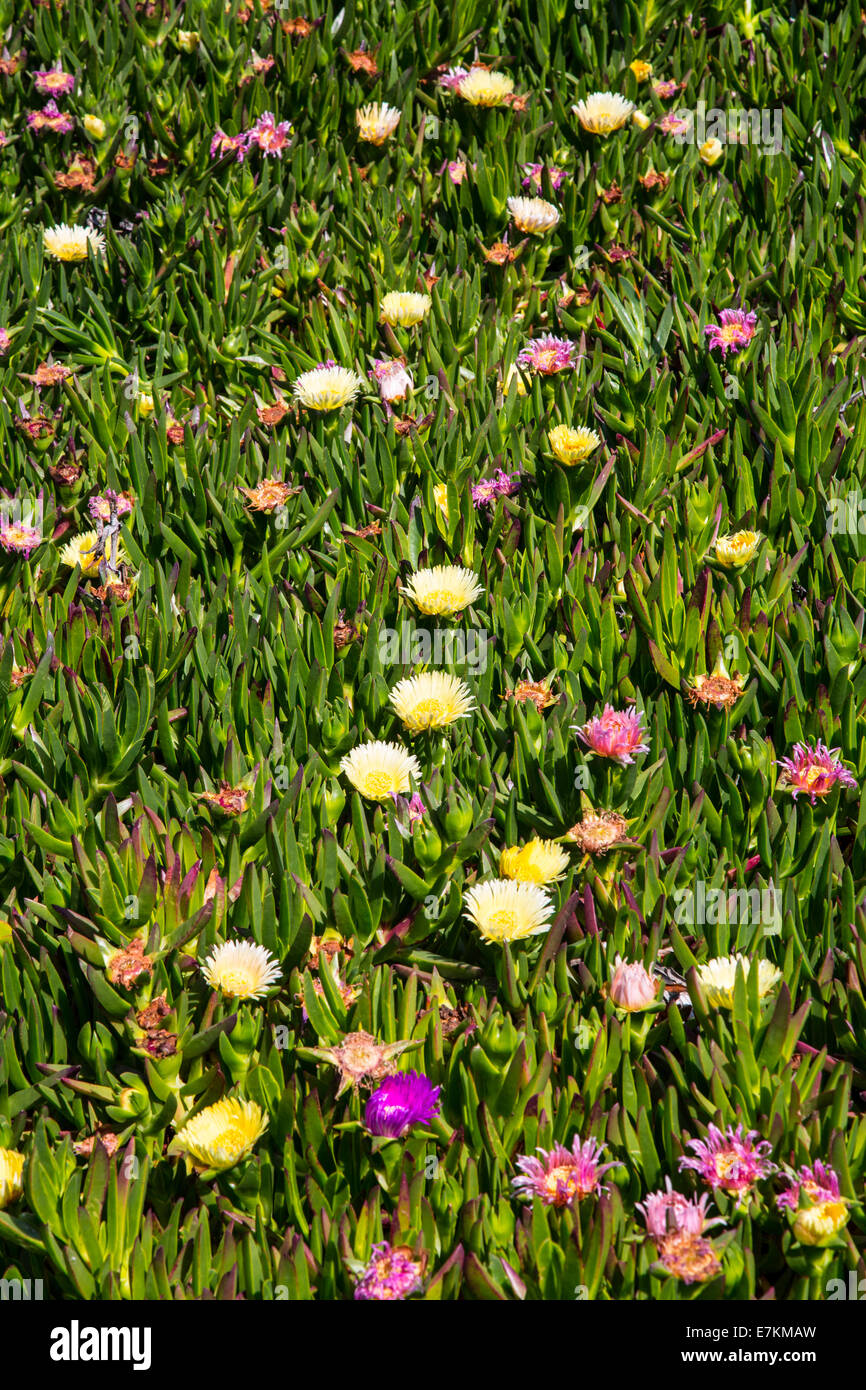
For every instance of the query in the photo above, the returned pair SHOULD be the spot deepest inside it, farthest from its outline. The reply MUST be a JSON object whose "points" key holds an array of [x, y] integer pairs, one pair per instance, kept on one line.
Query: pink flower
{"points": [[415, 807], [674, 125], [453, 78], [615, 734], [391, 1275], [734, 331], [394, 381], [54, 80], [731, 1160], [4, 139], [548, 355], [230, 144], [666, 89], [669, 1211], [819, 1183], [457, 171], [52, 118], [814, 771], [632, 987], [500, 485], [5, 341], [533, 174], [271, 138], [562, 1176]]}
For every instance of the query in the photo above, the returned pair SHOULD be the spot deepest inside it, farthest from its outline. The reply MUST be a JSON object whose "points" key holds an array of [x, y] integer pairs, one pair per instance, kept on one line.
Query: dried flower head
{"points": [[599, 831]]}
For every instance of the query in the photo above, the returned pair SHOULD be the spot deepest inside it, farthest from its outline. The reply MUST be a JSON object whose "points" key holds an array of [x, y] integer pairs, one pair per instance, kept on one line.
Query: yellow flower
{"points": [[573, 446], [94, 127], [737, 549], [404, 310], [514, 375], [82, 551], [376, 122], [539, 861], [533, 215], [327, 388], [241, 970], [443, 591], [430, 701], [378, 770], [480, 87], [719, 976], [641, 69], [223, 1134], [640, 120], [440, 496], [65, 243], [187, 39], [603, 112], [145, 403], [506, 911], [711, 151], [818, 1225], [11, 1176]]}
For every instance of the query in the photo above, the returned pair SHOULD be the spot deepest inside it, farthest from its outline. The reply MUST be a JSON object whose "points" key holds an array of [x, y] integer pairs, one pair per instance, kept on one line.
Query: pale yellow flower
{"points": [[480, 87], [603, 112], [442, 591], [65, 243], [378, 770], [430, 701], [241, 970], [187, 39], [640, 119], [95, 127], [506, 911], [440, 496], [403, 310], [573, 446], [711, 151], [719, 976], [818, 1225], [513, 374], [327, 388], [538, 861], [376, 122], [146, 404], [223, 1134], [533, 215], [81, 550], [737, 549], [11, 1176]]}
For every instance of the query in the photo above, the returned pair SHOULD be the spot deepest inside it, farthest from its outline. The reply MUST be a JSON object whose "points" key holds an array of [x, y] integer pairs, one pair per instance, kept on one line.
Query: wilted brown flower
{"points": [[299, 28], [124, 160], [430, 279], [721, 690], [538, 692], [500, 253], [618, 253], [451, 1019], [653, 179], [361, 61], [344, 632], [159, 1043], [22, 673], [361, 1058], [272, 414], [12, 63], [125, 966], [365, 532], [37, 427], [158, 166], [612, 194], [412, 422], [267, 495], [49, 374], [327, 946], [116, 589], [582, 295], [66, 474], [516, 100], [598, 832], [108, 1140], [231, 800], [151, 1016]]}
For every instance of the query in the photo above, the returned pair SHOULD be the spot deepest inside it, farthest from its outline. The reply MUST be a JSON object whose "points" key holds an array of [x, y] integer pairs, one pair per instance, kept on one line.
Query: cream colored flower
{"points": [[481, 87], [431, 701], [327, 388], [376, 122], [81, 550], [819, 1224], [223, 1134], [573, 446], [443, 591], [403, 310], [641, 120], [711, 151], [241, 970], [94, 127], [719, 976], [507, 911], [603, 112], [533, 215], [11, 1176], [538, 861], [65, 243], [378, 770], [737, 549]]}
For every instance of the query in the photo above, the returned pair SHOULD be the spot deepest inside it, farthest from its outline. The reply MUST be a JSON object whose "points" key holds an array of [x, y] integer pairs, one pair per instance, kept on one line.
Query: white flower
{"points": [[719, 976], [533, 215], [65, 243], [404, 309], [241, 970], [504, 910], [378, 770], [327, 388], [444, 590], [603, 112], [376, 122], [430, 701]]}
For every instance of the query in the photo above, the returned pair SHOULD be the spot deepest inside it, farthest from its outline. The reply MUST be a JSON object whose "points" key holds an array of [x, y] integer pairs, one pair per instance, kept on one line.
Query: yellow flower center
{"points": [[231, 1143], [236, 982], [561, 1184], [428, 713], [378, 785], [503, 922]]}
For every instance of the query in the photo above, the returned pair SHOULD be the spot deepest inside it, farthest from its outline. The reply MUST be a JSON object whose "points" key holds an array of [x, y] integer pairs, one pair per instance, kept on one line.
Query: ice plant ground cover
{"points": [[274, 346]]}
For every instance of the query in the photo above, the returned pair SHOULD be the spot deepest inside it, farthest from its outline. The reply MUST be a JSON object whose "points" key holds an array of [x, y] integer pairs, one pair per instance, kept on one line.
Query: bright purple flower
{"points": [[734, 331], [814, 771], [271, 137], [392, 1274], [50, 118], [548, 355], [819, 1183], [562, 1176], [54, 81], [615, 734], [402, 1100], [533, 174], [17, 538], [415, 807], [230, 144], [500, 485], [5, 341], [669, 1211], [731, 1161]]}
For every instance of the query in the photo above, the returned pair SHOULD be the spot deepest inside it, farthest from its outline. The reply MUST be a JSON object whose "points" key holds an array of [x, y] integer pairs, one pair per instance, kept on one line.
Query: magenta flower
{"points": [[674, 125], [402, 1100], [734, 331], [230, 144], [414, 806], [50, 118], [500, 485], [392, 1274], [17, 538], [270, 136], [666, 89], [453, 78], [534, 172], [731, 1161], [615, 734], [814, 771], [4, 139], [562, 1176], [5, 341], [548, 355], [393, 379], [54, 81], [456, 171], [668, 1212], [819, 1183]]}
